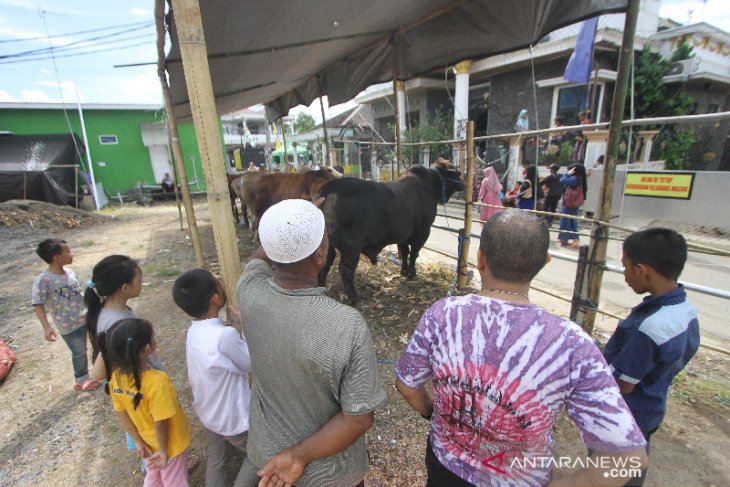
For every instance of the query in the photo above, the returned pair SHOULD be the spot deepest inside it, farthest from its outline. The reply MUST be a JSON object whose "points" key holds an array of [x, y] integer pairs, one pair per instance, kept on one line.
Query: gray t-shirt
{"points": [[107, 317], [312, 357]]}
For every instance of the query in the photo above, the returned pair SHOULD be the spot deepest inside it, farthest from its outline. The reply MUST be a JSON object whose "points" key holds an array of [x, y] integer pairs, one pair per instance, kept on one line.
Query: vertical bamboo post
{"points": [[468, 211], [324, 130], [175, 177], [577, 310], [173, 137], [267, 152], [283, 138], [76, 185], [599, 233], [396, 110], [205, 117]]}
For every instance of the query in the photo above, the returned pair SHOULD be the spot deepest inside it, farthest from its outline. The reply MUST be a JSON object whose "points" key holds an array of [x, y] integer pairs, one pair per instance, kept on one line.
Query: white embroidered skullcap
{"points": [[291, 230]]}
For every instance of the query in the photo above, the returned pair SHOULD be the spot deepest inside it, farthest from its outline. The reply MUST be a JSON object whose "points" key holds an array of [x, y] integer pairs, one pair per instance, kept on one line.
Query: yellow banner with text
{"points": [[659, 185]]}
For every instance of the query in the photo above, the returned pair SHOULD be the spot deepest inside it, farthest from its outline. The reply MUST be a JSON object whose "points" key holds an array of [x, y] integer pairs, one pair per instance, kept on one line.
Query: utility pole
{"points": [[465, 233]]}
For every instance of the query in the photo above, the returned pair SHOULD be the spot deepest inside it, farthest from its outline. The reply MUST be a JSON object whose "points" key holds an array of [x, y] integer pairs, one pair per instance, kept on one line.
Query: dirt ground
{"points": [[53, 436]]}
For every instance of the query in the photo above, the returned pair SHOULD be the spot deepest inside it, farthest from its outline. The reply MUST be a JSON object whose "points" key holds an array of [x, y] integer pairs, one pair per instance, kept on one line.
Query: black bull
{"points": [[366, 216]]}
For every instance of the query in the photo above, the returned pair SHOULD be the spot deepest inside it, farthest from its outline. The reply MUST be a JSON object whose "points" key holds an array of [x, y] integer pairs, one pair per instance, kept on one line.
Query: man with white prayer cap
{"points": [[316, 384]]}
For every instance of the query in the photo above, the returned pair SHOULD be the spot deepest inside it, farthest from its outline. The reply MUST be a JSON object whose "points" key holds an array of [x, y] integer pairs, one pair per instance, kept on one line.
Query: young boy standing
{"points": [[57, 292], [660, 335], [218, 367]]}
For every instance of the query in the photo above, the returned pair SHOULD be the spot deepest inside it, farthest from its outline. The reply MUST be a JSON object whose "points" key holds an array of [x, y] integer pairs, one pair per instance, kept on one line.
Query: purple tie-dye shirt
{"points": [[500, 374]]}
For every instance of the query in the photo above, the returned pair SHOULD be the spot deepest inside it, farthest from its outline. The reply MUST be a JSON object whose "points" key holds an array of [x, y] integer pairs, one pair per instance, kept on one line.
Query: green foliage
{"points": [[439, 126], [303, 123], [674, 146], [652, 98], [649, 69], [561, 156], [683, 51]]}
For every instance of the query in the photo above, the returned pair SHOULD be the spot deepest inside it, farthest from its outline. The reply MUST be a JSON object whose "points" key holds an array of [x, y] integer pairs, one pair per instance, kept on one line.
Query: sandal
{"points": [[193, 461], [574, 245], [87, 386]]}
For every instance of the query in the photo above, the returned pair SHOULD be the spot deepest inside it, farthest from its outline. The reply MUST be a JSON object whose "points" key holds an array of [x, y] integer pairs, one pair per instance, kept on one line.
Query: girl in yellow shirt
{"points": [[145, 401]]}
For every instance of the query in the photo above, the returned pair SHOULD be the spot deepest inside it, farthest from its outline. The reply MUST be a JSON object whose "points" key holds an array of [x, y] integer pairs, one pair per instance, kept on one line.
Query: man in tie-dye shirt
{"points": [[502, 368]]}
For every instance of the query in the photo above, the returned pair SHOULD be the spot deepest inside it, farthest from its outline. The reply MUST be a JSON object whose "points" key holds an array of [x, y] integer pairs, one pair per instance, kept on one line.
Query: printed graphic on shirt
{"points": [[481, 414], [62, 299], [500, 374]]}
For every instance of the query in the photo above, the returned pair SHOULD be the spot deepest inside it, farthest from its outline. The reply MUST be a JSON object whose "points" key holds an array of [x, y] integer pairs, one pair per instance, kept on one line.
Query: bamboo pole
{"points": [[396, 110], [465, 236], [599, 241], [283, 138], [173, 136], [76, 185], [175, 178], [324, 130], [205, 117], [267, 152]]}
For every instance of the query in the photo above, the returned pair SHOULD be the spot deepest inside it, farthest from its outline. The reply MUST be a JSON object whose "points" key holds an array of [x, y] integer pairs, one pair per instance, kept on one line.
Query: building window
{"points": [[572, 100], [108, 139]]}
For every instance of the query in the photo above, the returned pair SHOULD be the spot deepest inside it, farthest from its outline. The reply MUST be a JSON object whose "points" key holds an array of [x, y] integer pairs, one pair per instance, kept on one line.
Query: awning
{"points": [[284, 53]]}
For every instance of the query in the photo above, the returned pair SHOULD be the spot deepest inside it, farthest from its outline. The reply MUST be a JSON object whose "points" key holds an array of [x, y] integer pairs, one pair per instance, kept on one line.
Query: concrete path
{"points": [[616, 297]]}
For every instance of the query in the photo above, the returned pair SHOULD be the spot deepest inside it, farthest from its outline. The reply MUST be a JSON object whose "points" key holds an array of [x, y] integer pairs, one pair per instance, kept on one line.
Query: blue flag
{"points": [[578, 69]]}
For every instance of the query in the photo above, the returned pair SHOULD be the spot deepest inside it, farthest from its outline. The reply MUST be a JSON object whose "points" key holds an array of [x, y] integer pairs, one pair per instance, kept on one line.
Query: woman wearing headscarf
{"points": [[489, 194], [523, 122], [530, 191], [575, 178]]}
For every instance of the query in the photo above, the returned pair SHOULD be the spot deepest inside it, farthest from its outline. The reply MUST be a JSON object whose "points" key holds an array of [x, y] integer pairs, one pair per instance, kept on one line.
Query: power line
{"points": [[114, 27], [24, 60], [89, 41]]}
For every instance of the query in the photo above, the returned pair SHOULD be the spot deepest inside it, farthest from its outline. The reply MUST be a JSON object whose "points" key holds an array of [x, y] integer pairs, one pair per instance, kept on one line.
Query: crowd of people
{"points": [[568, 190], [489, 371]]}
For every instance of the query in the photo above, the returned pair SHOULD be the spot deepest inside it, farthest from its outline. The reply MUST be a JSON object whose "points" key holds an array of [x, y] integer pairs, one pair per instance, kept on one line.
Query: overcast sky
{"points": [[126, 35]]}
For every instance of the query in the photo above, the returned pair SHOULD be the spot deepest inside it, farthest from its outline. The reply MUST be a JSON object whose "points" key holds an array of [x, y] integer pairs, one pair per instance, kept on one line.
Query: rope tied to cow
{"points": [[444, 199]]}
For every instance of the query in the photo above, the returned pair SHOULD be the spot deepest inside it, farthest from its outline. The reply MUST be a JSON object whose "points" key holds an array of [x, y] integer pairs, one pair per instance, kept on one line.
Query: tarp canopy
{"points": [[285, 53], [39, 167]]}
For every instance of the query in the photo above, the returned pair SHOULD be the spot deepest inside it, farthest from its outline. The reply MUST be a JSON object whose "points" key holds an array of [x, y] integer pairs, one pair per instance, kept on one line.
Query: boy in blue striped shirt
{"points": [[660, 335]]}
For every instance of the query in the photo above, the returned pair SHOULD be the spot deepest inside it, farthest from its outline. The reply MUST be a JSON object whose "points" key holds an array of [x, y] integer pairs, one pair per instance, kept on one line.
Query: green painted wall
{"points": [[126, 163]]}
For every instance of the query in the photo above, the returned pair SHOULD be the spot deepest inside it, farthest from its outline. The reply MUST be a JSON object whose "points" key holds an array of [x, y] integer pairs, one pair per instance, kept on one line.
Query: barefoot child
{"points": [[218, 367], [57, 291], [146, 402]]}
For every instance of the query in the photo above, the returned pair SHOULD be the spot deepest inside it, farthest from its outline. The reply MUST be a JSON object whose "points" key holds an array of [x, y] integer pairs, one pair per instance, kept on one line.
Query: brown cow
{"points": [[258, 191], [232, 177], [245, 186]]}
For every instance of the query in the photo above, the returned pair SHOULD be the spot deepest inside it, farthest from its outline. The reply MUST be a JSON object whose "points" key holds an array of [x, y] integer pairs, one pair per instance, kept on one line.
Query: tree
{"points": [[303, 123], [653, 98], [434, 128]]}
